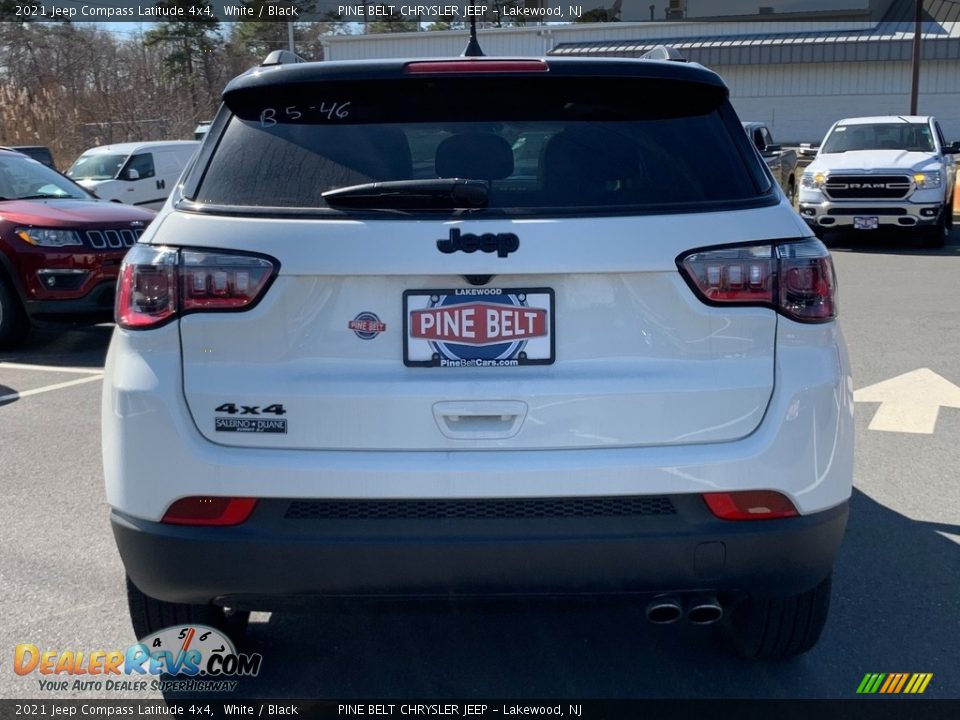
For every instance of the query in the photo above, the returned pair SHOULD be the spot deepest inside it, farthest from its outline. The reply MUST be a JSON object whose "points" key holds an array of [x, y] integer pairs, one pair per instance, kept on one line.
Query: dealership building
{"points": [[798, 74]]}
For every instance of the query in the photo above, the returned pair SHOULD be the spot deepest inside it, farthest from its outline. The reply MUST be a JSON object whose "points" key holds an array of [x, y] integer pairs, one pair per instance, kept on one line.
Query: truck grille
{"points": [[863, 187], [499, 508], [112, 239]]}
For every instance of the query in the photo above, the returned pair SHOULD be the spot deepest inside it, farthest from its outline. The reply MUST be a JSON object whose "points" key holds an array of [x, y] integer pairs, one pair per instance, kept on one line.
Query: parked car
{"points": [[782, 163], [882, 172], [134, 173], [363, 353], [60, 248], [37, 152]]}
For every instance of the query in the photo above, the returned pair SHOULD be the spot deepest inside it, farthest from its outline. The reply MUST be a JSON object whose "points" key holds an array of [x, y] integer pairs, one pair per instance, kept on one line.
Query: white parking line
{"points": [[48, 368], [48, 388]]}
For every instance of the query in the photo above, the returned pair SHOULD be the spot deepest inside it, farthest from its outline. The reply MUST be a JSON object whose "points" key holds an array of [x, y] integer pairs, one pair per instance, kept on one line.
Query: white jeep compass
{"points": [[470, 326]]}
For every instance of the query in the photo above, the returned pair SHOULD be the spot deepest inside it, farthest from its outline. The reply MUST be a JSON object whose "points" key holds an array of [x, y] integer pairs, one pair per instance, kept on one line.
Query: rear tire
{"points": [[150, 615], [14, 324], [778, 627]]}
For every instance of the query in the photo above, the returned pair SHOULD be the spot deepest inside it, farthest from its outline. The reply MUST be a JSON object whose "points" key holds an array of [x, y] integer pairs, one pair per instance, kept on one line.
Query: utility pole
{"points": [[915, 86], [290, 44]]}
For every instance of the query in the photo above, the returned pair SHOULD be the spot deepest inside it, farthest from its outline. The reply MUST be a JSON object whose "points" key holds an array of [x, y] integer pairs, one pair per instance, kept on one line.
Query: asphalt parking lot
{"points": [[895, 604]]}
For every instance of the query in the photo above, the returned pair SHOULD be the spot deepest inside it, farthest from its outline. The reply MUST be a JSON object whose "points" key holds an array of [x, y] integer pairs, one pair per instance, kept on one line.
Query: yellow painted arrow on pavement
{"points": [[911, 402]]}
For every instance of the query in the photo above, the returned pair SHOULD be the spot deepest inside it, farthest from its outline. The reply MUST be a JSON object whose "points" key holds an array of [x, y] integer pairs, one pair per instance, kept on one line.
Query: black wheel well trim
{"points": [[8, 273]]}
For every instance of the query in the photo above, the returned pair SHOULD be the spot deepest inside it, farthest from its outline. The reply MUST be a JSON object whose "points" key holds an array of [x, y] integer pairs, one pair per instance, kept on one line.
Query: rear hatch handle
{"points": [[480, 419]]}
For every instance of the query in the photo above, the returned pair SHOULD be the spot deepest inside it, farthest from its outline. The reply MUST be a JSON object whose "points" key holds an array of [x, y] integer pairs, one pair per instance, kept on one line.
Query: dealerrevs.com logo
{"points": [[185, 658]]}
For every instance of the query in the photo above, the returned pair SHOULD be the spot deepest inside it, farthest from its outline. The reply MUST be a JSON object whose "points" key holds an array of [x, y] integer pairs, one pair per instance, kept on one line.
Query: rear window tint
{"points": [[566, 145]]}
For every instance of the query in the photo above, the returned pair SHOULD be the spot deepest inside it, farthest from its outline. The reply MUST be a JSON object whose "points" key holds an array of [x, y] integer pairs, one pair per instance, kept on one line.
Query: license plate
{"points": [[478, 327], [866, 223]]}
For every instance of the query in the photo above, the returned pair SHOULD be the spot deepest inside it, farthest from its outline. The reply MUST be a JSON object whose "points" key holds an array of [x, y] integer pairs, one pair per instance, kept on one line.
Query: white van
{"points": [[141, 173]]}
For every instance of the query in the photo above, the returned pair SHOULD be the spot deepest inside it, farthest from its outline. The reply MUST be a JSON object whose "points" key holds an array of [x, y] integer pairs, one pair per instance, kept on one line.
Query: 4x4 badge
{"points": [[501, 243]]}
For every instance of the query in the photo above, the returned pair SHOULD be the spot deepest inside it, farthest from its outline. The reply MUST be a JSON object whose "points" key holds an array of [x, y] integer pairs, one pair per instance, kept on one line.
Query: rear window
{"points": [[567, 144]]}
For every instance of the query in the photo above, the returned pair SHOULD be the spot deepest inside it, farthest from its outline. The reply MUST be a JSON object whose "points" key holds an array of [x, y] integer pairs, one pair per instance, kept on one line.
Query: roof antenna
{"points": [[473, 47]]}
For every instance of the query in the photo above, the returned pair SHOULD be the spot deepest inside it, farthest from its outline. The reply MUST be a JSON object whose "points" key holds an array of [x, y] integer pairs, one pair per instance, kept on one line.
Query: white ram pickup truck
{"points": [[874, 172]]}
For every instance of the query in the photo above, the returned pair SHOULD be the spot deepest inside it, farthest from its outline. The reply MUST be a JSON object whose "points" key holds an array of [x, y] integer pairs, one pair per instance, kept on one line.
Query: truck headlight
{"points": [[46, 237], [927, 180], [813, 181]]}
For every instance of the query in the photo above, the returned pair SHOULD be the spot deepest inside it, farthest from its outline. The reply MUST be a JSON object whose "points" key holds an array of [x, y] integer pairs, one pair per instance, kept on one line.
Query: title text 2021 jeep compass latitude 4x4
{"points": [[365, 350]]}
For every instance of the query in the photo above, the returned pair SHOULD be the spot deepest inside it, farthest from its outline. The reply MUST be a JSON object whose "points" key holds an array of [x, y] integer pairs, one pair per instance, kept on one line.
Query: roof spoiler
{"points": [[663, 52], [281, 57]]}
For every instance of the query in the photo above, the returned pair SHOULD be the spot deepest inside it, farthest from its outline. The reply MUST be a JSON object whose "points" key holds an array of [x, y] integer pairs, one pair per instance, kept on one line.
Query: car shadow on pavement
{"points": [[63, 345], [890, 242], [895, 608]]}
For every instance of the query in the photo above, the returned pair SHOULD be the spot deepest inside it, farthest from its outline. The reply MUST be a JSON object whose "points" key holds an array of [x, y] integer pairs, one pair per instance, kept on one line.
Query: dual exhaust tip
{"points": [[701, 609]]}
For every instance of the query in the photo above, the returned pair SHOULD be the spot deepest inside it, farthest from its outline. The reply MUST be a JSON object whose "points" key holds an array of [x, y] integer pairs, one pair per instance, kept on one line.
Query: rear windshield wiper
{"points": [[413, 194]]}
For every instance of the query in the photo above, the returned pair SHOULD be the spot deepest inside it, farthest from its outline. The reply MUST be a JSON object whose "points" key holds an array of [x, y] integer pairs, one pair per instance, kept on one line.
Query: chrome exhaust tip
{"points": [[663, 610], [704, 610]]}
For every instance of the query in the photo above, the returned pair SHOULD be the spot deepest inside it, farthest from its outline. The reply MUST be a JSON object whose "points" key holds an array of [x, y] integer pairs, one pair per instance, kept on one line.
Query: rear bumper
{"points": [[275, 561]]}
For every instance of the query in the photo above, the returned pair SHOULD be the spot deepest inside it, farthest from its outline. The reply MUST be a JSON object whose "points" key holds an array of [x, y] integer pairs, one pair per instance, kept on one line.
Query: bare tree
{"points": [[188, 45]]}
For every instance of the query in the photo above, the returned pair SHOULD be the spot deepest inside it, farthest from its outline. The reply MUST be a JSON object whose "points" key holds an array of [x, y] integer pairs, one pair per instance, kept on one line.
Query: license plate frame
{"points": [[866, 222], [469, 321]]}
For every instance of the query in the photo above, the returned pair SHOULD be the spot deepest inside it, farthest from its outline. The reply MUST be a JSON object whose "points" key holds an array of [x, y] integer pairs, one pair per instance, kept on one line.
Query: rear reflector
{"points": [[218, 511], [430, 67], [794, 278], [750, 505]]}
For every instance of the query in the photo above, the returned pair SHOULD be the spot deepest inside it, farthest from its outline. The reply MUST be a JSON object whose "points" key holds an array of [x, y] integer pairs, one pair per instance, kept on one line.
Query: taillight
{"points": [[750, 505], [218, 281], [160, 283], [794, 278], [213, 511], [480, 65], [147, 295]]}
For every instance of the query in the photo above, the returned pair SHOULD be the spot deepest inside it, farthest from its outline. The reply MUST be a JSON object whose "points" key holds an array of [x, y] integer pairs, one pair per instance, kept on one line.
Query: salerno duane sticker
{"points": [[478, 327], [251, 425], [247, 418]]}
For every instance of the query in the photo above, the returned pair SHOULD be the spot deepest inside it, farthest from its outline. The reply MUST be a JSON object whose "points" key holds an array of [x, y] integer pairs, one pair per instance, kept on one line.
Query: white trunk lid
{"points": [[637, 359]]}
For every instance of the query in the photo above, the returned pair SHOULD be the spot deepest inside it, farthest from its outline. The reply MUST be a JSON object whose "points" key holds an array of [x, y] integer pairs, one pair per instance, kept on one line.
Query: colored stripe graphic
{"points": [[870, 683], [892, 679], [894, 683], [918, 683]]}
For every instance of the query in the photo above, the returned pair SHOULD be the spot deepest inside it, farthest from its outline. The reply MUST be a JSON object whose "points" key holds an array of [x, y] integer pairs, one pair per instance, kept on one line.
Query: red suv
{"points": [[60, 247]]}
